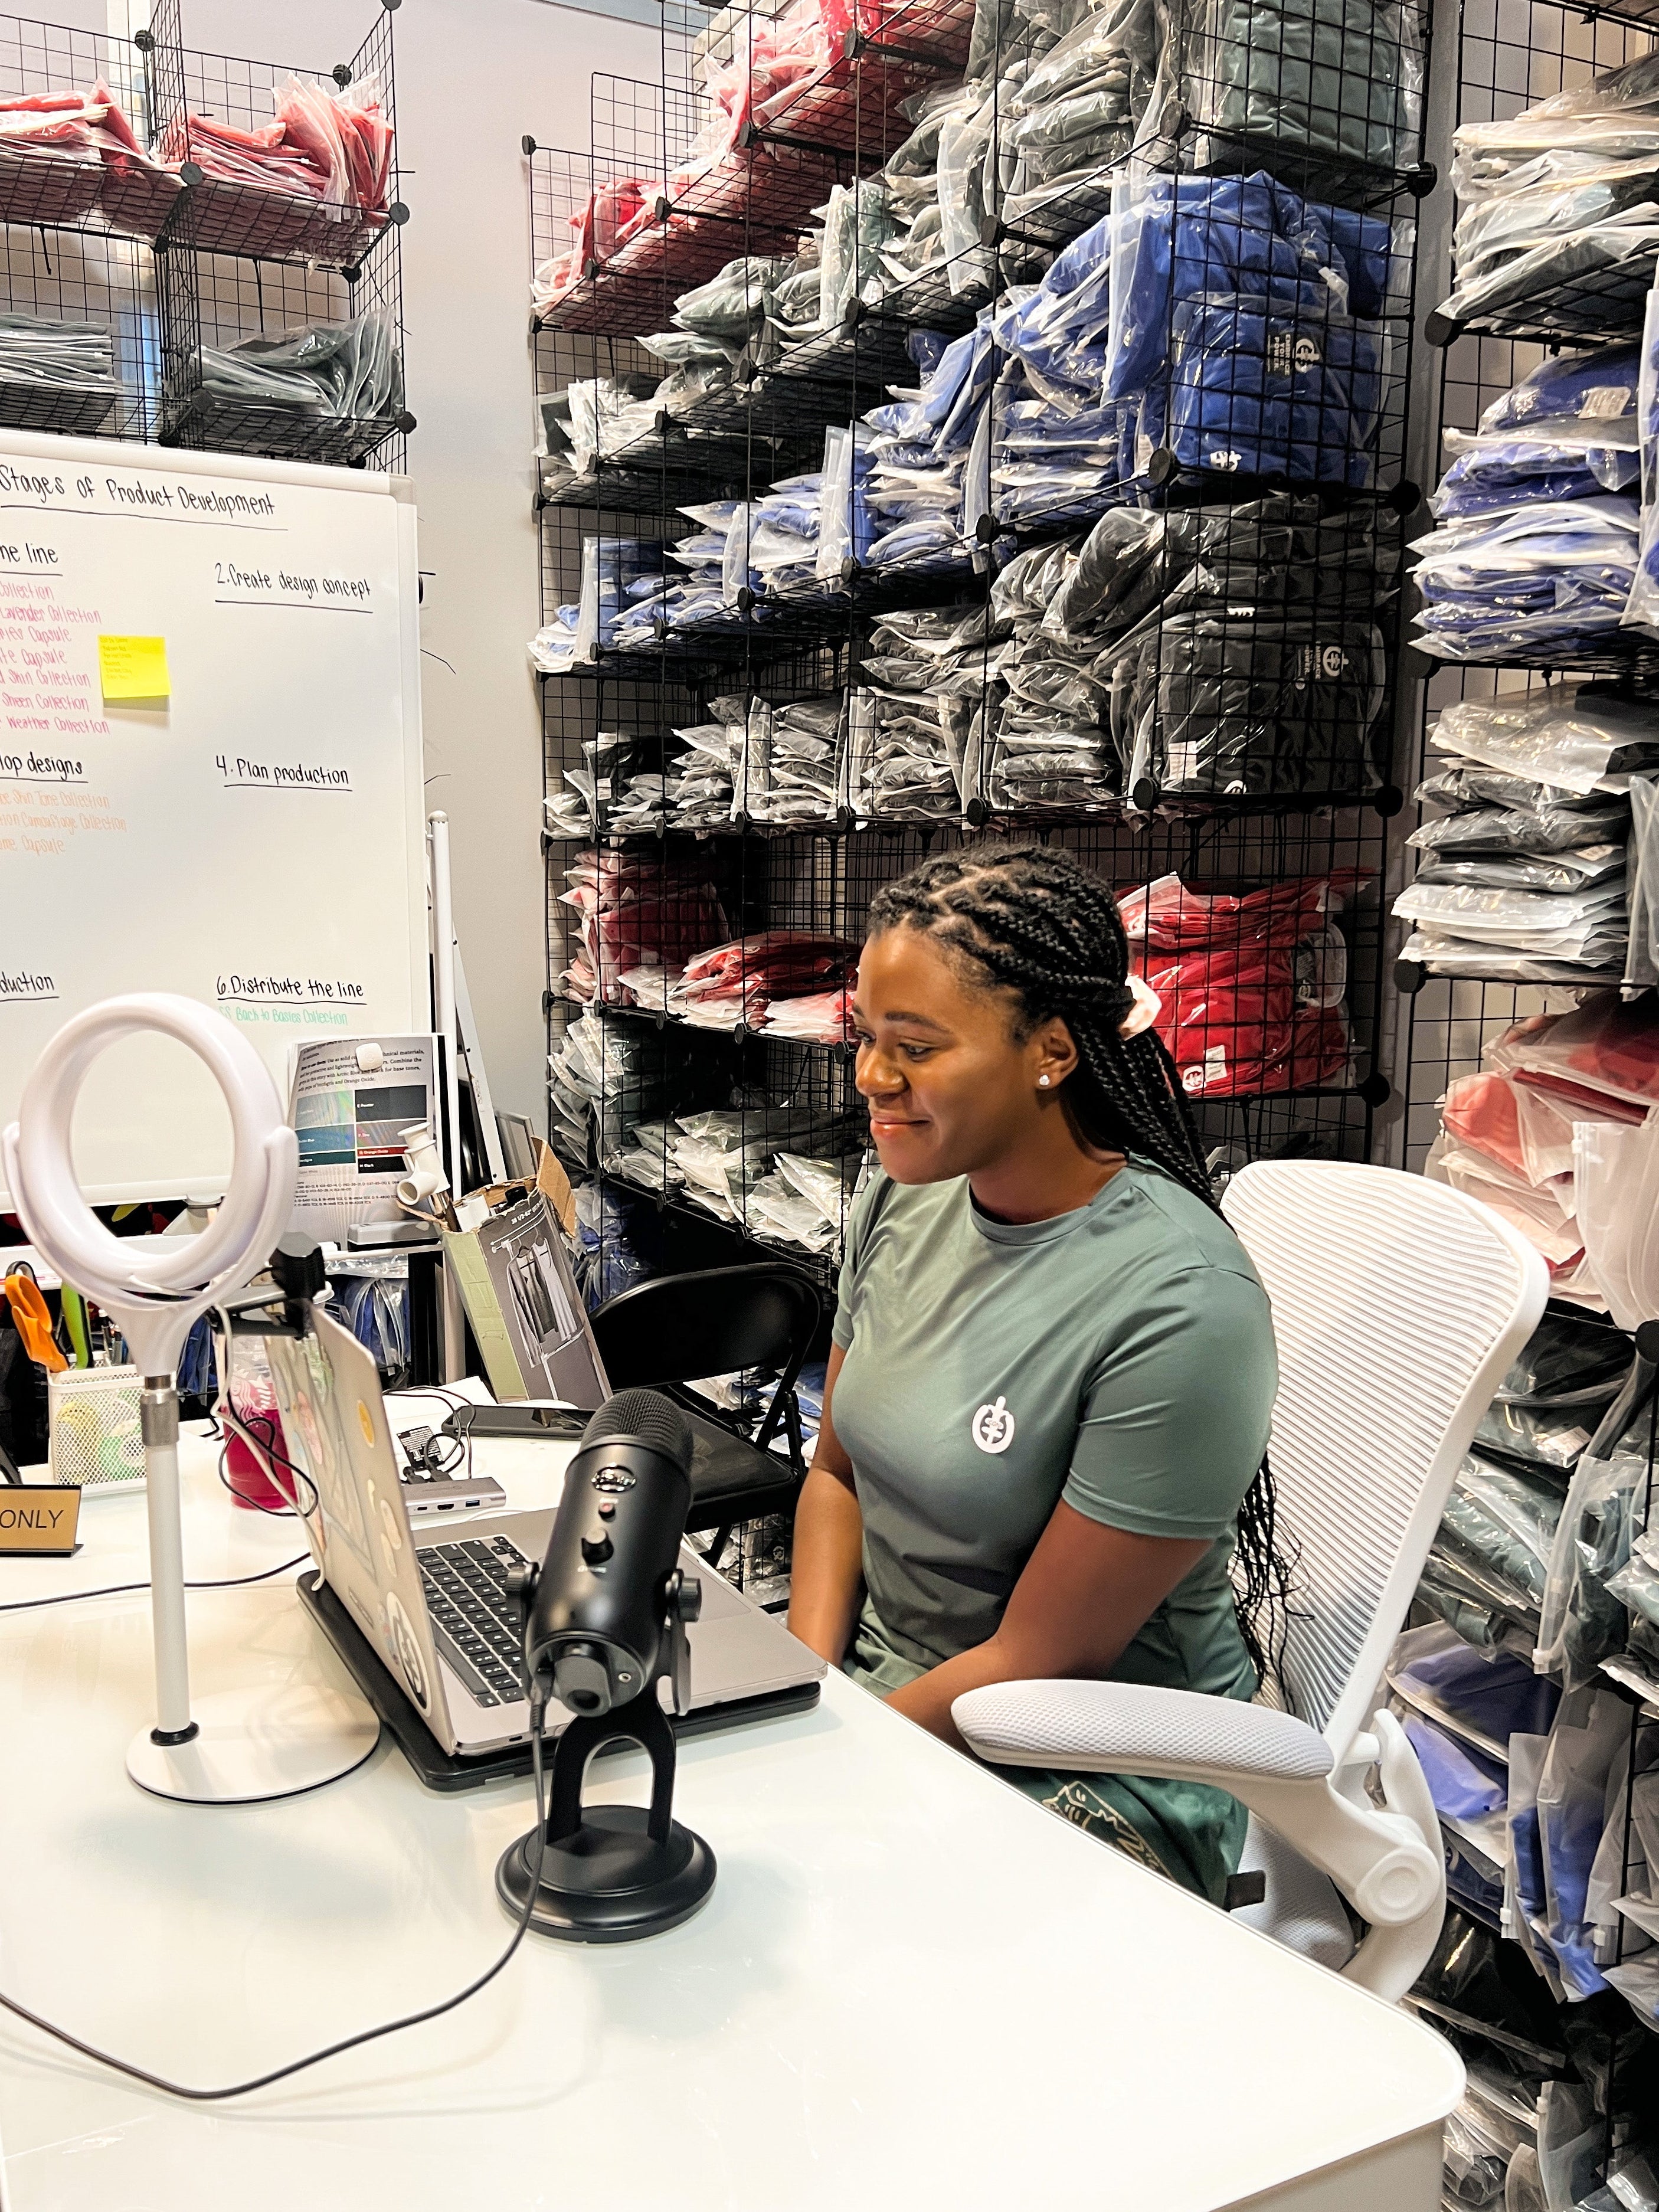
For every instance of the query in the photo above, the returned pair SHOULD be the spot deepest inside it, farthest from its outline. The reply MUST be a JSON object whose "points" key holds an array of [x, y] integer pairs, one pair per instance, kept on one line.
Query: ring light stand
{"points": [[242, 1746]]}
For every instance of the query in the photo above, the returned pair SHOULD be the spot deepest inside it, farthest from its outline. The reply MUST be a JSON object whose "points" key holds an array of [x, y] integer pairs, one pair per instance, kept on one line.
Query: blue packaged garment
{"points": [[1598, 386], [1494, 1696], [1493, 473], [1236, 235], [1537, 581], [1464, 1784], [1285, 386]]}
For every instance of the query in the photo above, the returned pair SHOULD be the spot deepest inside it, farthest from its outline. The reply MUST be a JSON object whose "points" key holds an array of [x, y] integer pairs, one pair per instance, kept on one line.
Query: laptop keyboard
{"points": [[476, 1626]]}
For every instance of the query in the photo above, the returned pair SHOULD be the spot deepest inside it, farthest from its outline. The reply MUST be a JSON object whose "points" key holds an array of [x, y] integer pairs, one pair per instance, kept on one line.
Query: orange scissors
{"points": [[29, 1311]]}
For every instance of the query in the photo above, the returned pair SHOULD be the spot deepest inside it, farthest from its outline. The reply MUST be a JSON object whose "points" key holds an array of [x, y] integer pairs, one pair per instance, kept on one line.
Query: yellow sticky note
{"points": [[134, 668]]}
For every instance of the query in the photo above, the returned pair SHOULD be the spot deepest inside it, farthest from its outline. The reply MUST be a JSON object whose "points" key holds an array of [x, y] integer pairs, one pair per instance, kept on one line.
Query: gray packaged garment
{"points": [[327, 368], [1340, 78], [1508, 1520]]}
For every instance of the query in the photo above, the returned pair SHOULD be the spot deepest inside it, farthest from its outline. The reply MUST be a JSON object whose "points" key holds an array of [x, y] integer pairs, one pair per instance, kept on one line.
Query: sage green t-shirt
{"points": [[1120, 1357]]}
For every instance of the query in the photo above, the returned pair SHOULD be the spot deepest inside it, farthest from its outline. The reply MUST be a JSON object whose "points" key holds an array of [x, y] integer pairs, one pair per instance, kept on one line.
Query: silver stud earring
{"points": [[1043, 1081]]}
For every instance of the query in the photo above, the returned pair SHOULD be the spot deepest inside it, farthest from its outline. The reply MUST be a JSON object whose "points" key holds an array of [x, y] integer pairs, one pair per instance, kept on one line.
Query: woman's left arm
{"points": [[1086, 1591]]}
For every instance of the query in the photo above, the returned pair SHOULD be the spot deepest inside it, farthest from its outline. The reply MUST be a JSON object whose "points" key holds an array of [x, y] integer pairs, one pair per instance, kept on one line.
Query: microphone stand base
{"points": [[610, 1882]]}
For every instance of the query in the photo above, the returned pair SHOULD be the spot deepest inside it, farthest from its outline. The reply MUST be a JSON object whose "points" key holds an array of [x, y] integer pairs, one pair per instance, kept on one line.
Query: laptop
{"points": [[431, 1603]]}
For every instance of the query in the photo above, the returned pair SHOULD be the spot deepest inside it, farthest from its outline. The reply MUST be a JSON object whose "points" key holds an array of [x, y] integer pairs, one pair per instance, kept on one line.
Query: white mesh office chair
{"points": [[1398, 1306]]}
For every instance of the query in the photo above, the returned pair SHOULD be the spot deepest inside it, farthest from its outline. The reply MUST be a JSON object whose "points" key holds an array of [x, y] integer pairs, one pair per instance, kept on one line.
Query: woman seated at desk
{"points": [[1047, 1401]]}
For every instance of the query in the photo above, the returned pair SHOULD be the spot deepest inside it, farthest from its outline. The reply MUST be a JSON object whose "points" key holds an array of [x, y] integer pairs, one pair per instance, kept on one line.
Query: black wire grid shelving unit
{"points": [[168, 259], [1508, 60], [235, 263], [767, 422]]}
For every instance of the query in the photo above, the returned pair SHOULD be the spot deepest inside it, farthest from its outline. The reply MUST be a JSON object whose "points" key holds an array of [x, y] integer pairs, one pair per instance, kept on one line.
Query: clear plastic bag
{"points": [[1581, 1624], [1507, 1519], [1572, 736]]}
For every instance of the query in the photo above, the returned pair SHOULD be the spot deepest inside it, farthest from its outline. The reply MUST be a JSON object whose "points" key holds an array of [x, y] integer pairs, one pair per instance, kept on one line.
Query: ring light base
{"points": [[250, 1746]]}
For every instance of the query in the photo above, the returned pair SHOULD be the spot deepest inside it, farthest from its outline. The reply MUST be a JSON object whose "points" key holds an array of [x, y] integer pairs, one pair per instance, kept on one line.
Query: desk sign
{"points": [[40, 1517]]}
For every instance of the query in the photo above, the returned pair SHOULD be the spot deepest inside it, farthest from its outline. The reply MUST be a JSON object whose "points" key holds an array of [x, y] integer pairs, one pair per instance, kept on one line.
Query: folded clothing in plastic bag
{"points": [[1284, 385], [1506, 1519], [1575, 738], [1231, 703], [1534, 582], [735, 981], [638, 911], [1484, 1699], [351, 369], [1338, 78], [1556, 195], [1251, 985]]}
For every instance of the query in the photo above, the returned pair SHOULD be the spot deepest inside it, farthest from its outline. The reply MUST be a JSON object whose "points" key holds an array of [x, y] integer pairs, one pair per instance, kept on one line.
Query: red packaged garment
{"points": [[736, 981], [824, 1017], [1481, 1111], [1251, 983], [1605, 1045], [638, 911]]}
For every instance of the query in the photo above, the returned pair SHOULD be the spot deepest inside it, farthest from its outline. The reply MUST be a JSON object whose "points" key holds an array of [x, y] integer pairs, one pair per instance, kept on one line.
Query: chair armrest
{"points": [[1128, 1728]]}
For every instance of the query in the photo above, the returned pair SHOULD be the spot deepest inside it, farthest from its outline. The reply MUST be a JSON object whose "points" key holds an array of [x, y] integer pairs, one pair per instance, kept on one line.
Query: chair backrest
{"points": [[681, 1328], [1399, 1305]]}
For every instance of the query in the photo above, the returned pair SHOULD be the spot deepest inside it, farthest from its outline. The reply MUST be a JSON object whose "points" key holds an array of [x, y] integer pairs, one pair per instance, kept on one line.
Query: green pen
{"points": [[74, 1322]]}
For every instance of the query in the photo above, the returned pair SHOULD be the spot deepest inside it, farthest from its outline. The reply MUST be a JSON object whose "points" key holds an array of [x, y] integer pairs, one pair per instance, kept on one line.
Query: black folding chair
{"points": [[683, 1328]]}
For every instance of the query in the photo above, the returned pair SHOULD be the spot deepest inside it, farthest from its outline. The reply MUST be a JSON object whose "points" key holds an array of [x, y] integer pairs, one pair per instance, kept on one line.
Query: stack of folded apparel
{"points": [[313, 182], [735, 982], [911, 724], [725, 1156], [1340, 81], [699, 595], [1557, 198], [592, 419], [582, 803], [826, 1182], [1513, 1133], [716, 326], [641, 913], [1524, 878], [60, 372], [1568, 430], [1252, 984], [1045, 741], [1057, 454], [822, 1018], [700, 775], [63, 154], [1487, 1570], [1075, 112], [802, 749], [780, 534], [1245, 329], [351, 370], [1260, 672], [608, 1076], [1536, 548]]}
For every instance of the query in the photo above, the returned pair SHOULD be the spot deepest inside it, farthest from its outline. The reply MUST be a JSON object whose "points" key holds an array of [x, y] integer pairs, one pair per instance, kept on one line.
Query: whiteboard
{"points": [[255, 841]]}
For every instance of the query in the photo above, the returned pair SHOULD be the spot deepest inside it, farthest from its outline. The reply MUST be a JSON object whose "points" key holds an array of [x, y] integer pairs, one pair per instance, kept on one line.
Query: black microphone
{"points": [[604, 1619]]}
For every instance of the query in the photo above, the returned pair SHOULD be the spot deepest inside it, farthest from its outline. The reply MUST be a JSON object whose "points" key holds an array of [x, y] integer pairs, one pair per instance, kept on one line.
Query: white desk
{"points": [[911, 1989]]}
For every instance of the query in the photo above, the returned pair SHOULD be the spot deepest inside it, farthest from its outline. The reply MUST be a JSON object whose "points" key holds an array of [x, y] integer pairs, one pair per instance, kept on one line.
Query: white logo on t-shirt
{"points": [[993, 1429]]}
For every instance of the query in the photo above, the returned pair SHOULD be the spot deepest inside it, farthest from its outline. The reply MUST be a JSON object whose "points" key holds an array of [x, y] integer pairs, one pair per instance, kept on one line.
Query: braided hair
{"points": [[1031, 919]]}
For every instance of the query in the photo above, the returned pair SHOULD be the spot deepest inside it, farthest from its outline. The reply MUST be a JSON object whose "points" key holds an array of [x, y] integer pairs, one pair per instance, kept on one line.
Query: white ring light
{"points": [[237, 1748], [156, 1294]]}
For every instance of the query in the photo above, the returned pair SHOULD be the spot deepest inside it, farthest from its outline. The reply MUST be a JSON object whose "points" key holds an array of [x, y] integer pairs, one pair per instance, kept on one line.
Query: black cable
{"points": [[347, 2042], [121, 1590]]}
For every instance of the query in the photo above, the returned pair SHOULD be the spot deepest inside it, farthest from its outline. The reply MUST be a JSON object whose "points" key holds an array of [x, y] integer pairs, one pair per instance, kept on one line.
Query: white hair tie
{"points": [[1144, 1011]]}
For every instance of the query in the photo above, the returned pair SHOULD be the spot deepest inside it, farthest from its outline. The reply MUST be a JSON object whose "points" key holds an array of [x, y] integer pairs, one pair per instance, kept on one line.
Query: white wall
{"points": [[472, 77]]}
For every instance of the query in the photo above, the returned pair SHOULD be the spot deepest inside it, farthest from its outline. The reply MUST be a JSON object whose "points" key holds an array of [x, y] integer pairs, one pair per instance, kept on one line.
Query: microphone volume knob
{"points": [[596, 1549]]}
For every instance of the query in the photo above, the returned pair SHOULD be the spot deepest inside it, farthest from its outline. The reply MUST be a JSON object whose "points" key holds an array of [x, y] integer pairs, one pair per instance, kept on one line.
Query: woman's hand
{"points": [[826, 1575], [1086, 1592]]}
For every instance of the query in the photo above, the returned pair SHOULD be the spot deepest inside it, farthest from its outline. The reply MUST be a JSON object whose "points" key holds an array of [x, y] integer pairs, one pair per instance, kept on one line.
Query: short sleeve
{"points": [[1175, 1416], [861, 1220]]}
